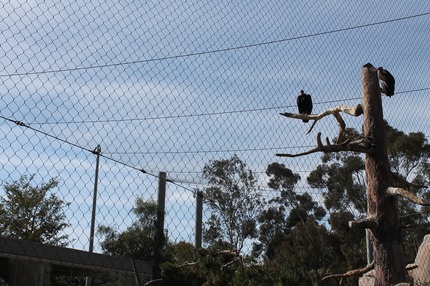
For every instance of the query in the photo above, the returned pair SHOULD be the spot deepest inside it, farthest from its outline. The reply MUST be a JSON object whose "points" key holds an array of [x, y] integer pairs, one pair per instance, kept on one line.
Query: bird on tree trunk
{"points": [[387, 81]]}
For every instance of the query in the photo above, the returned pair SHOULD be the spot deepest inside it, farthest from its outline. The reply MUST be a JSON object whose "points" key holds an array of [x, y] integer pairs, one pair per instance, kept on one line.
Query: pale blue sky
{"points": [[169, 85]]}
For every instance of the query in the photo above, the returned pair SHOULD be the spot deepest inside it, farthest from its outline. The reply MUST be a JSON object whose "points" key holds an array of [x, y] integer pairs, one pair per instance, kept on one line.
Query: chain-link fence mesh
{"points": [[167, 86]]}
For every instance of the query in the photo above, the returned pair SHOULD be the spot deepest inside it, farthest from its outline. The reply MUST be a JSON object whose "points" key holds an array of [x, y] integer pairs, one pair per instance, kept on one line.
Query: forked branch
{"points": [[407, 195], [351, 273], [354, 111], [362, 145]]}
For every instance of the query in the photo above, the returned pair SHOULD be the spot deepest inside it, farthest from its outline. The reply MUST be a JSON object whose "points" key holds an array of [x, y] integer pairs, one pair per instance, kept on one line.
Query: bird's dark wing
{"points": [[307, 104], [301, 103], [391, 82], [388, 80]]}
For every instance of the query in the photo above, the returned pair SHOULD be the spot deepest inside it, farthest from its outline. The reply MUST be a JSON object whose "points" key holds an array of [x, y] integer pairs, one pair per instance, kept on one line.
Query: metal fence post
{"points": [[199, 215], [159, 232], [96, 151]]}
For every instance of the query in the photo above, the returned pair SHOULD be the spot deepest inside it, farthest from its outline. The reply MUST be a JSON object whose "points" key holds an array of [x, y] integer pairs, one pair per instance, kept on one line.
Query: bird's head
{"points": [[380, 68], [302, 91]]}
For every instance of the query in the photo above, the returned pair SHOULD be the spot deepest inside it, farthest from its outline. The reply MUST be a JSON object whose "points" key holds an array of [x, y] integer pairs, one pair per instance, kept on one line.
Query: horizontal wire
{"points": [[187, 115], [209, 113], [177, 183], [219, 50], [22, 124], [209, 151]]}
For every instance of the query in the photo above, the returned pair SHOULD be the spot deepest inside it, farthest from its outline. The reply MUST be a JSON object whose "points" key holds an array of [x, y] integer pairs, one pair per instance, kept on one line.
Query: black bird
{"points": [[387, 81], [304, 103]]}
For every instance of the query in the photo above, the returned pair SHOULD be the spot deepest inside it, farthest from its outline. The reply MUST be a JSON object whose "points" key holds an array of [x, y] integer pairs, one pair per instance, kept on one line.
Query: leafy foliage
{"points": [[28, 211], [307, 254], [296, 240], [137, 240], [342, 179], [234, 201], [285, 210]]}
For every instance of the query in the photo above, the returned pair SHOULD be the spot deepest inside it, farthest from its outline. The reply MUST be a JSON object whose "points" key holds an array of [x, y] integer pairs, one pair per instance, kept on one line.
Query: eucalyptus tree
{"points": [[234, 200]]}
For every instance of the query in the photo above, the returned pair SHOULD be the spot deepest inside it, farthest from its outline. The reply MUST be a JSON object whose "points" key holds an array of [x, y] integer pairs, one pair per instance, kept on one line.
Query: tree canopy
{"points": [[31, 212], [137, 241], [234, 201], [297, 239]]}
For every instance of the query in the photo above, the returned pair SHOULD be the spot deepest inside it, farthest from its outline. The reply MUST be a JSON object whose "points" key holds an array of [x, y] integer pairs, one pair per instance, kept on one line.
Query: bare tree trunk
{"points": [[382, 208]]}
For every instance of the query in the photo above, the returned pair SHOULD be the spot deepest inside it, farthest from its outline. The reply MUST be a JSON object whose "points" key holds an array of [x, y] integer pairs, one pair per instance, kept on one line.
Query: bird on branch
{"points": [[387, 81], [304, 103]]}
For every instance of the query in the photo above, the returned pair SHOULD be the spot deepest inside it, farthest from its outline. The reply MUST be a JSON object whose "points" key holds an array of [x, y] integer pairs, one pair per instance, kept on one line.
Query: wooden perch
{"points": [[351, 273], [407, 195], [369, 223], [354, 111], [347, 145]]}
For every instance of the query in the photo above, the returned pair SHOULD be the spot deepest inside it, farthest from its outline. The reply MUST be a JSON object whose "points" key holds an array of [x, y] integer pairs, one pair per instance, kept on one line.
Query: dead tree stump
{"points": [[389, 261]]}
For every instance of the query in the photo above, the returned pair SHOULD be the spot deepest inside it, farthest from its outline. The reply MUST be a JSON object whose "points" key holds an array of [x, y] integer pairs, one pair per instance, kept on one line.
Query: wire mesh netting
{"points": [[168, 86]]}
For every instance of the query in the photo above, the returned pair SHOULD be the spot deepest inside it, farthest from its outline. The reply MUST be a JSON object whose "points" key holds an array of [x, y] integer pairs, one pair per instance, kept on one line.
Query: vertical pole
{"points": [[96, 151], [159, 232], [199, 215], [385, 233]]}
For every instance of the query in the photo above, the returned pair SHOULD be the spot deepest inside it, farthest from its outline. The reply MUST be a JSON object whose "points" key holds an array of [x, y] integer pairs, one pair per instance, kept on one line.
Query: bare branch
{"points": [[229, 252], [351, 273], [236, 259], [405, 183], [354, 111], [347, 145], [369, 223], [342, 126], [407, 195]]}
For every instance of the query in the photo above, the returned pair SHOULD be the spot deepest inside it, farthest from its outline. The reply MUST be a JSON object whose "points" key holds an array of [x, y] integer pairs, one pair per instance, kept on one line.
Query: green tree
{"points": [[297, 250], [307, 254], [409, 155], [28, 211], [234, 200], [285, 210], [301, 207], [137, 240], [182, 269], [341, 178]]}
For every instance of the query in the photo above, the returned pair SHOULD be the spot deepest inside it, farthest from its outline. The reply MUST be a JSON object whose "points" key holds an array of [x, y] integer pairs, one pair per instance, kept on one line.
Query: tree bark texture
{"points": [[386, 237]]}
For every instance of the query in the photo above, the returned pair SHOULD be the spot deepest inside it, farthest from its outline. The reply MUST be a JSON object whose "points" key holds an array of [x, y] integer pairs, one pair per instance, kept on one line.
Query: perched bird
{"points": [[304, 103], [387, 81]]}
